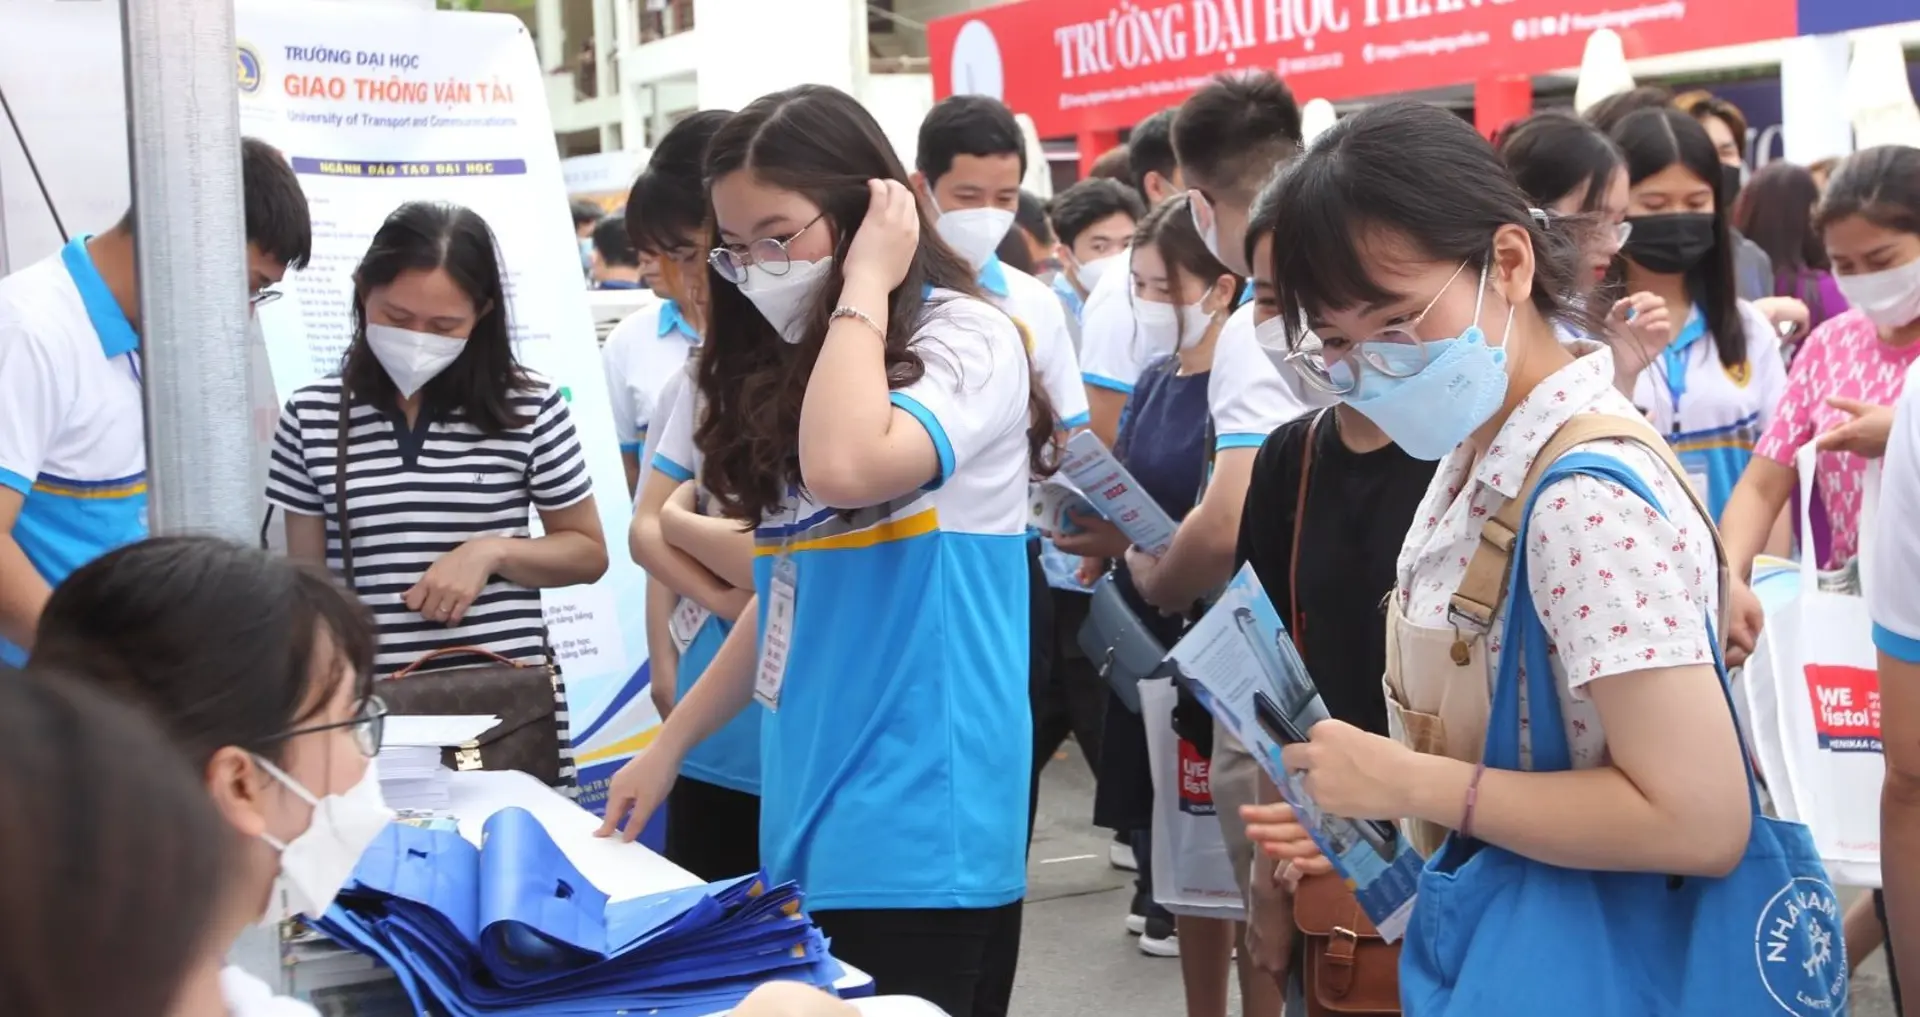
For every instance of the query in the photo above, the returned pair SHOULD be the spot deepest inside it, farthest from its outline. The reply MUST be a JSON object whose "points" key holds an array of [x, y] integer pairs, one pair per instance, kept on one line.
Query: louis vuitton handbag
{"points": [[529, 699]]}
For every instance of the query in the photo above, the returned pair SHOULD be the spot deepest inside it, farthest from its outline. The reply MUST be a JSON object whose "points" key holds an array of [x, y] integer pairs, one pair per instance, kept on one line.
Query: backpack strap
{"points": [[1484, 588]]}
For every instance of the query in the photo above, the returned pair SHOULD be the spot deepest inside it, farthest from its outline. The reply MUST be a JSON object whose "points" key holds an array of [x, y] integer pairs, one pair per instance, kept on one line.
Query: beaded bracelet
{"points": [[846, 311]]}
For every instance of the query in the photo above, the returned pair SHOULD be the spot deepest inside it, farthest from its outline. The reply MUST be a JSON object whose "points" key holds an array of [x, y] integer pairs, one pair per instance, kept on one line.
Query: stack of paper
{"points": [[514, 928], [412, 778]]}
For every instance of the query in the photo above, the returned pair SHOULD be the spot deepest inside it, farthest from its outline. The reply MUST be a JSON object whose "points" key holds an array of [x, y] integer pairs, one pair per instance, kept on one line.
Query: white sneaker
{"points": [[1136, 925], [1120, 856], [1155, 944]]}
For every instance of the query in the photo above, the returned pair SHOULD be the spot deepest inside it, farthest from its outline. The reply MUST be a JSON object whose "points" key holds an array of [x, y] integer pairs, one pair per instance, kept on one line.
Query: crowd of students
{"points": [[1331, 362]]}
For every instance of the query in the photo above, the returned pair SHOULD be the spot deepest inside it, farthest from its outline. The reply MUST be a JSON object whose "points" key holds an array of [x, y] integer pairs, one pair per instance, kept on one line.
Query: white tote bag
{"points": [[1812, 692], [1192, 875]]}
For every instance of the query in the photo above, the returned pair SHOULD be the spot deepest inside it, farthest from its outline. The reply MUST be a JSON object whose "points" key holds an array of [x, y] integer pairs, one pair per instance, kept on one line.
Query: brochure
{"points": [[1241, 665], [1054, 503], [1115, 494]]}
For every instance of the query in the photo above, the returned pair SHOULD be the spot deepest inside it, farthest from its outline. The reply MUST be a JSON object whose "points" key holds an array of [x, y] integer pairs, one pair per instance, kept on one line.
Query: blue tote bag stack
{"points": [[1494, 933]]}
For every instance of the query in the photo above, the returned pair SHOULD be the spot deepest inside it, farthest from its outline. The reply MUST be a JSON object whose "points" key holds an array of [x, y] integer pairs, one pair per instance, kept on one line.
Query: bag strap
{"points": [[1299, 516], [340, 449], [1484, 588], [1526, 633], [477, 651]]}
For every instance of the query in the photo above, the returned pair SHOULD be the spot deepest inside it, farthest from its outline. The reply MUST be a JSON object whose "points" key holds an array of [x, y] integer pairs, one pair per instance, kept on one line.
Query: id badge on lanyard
{"points": [[777, 641], [688, 617]]}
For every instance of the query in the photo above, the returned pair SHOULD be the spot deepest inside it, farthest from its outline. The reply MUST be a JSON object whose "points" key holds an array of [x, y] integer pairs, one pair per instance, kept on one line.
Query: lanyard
{"points": [[1673, 360], [133, 363]]}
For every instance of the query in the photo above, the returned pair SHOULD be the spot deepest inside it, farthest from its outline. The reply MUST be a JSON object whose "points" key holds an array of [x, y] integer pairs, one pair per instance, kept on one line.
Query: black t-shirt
{"points": [[1359, 508]]}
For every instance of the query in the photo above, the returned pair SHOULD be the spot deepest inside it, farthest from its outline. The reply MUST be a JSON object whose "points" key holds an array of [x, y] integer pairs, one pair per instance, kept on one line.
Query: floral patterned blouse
{"points": [[1619, 586]]}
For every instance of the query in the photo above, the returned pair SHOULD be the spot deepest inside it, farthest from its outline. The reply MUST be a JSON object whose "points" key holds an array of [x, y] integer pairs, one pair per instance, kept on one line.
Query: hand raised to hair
{"points": [[883, 248]]}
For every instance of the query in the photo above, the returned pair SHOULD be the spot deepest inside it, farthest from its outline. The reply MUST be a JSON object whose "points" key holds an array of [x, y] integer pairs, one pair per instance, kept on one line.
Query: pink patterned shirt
{"points": [[1620, 587], [1843, 357]]}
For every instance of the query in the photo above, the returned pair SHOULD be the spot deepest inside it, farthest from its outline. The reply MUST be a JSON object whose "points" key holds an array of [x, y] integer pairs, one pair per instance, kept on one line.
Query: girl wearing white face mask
{"points": [[1182, 296], [873, 419], [449, 444], [261, 671], [1850, 372]]}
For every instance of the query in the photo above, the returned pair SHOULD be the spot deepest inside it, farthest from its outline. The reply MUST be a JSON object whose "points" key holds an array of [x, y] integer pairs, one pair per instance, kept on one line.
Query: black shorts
{"points": [[712, 831], [959, 959]]}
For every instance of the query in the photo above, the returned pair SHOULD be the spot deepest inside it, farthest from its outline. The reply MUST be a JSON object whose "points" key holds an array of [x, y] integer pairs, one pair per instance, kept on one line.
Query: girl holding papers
{"points": [[871, 418]]}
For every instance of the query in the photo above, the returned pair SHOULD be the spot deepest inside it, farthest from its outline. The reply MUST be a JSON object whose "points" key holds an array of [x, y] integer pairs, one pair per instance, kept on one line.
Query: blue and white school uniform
{"points": [[896, 763], [642, 353], [1071, 303], [1712, 415], [730, 757], [72, 426]]}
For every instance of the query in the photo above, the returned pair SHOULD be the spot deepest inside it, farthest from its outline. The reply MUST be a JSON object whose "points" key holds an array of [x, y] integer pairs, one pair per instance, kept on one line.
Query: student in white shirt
{"points": [[1378, 263], [1714, 389], [1112, 351], [261, 671], [73, 453], [870, 415], [699, 568], [665, 220]]}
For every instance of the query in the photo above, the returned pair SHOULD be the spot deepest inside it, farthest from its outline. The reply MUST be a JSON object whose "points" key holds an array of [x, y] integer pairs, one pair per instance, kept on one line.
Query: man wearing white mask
{"points": [[968, 166], [1092, 223]]}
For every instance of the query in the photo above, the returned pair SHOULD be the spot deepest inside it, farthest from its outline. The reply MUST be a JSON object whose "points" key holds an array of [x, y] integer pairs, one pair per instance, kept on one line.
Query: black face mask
{"points": [[1731, 180], [1671, 243]]}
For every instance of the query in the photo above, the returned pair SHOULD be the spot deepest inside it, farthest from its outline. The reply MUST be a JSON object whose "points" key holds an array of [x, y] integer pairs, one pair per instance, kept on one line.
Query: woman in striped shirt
{"points": [[449, 443]]}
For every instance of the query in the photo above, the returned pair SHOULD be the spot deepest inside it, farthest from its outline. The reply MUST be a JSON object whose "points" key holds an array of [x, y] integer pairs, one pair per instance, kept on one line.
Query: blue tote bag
{"points": [[1494, 933]]}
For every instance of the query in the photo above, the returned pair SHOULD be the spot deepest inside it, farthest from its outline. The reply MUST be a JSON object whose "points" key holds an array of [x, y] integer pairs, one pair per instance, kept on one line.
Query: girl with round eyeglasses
{"points": [[1434, 297]]}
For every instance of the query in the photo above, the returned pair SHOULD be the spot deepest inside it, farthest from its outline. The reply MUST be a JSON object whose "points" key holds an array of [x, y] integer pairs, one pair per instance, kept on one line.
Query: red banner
{"points": [[1084, 65]]}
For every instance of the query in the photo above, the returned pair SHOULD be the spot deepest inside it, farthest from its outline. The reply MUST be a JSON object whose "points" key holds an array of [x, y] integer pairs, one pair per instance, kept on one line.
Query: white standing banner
{"points": [[378, 106]]}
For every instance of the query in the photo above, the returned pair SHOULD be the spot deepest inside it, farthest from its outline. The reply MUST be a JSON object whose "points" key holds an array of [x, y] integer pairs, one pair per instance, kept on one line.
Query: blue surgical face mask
{"points": [[1447, 388]]}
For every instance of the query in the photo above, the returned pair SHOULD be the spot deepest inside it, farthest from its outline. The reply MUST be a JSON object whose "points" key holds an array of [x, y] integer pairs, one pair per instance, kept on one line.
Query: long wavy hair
{"points": [[821, 143]]}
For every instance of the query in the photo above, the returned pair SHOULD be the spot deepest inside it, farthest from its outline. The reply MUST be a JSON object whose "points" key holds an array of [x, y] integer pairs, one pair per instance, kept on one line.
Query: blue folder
{"points": [[513, 927]]}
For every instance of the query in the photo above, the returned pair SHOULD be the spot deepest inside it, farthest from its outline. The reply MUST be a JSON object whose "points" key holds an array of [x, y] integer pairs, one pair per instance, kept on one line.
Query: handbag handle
{"points": [[477, 651], [1294, 617]]}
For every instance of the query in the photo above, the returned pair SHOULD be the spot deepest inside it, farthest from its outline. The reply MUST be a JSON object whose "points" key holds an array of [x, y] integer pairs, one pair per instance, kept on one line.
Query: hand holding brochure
{"points": [[1117, 496], [1240, 664]]}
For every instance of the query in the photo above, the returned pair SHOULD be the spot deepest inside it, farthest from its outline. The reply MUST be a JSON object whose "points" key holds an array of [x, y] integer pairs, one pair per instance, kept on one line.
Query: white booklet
{"points": [[1113, 492], [1241, 665]]}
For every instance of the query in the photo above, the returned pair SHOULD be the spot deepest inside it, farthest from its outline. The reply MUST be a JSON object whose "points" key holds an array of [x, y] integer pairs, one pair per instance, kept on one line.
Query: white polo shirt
{"points": [[72, 432], [1893, 586], [1246, 394], [1112, 354], [644, 351], [1033, 304]]}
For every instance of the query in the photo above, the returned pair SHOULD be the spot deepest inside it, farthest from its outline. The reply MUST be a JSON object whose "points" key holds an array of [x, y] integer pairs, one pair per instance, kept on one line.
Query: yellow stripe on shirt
{"points": [[916, 525]]}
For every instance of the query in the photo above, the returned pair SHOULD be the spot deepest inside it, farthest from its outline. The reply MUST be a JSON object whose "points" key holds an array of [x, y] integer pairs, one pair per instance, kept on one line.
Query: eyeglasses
{"points": [[369, 726], [1395, 351], [769, 253], [263, 296]]}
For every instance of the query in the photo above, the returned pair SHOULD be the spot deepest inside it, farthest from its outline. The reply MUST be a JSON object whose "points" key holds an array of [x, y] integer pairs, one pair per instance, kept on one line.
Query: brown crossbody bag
{"points": [[1346, 968], [531, 736]]}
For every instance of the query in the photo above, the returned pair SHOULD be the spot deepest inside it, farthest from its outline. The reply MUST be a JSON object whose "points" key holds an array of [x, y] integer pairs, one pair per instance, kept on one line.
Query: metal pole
{"points": [[183, 120]]}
